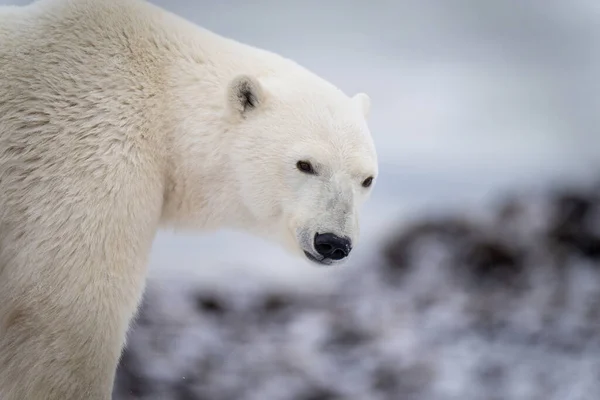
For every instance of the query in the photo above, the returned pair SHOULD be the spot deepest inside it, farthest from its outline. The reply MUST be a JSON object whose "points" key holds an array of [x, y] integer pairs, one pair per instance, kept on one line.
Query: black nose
{"points": [[332, 246]]}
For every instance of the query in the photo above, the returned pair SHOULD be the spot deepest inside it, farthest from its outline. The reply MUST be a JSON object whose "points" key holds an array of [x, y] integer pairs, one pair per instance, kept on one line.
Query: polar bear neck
{"points": [[199, 73], [201, 190]]}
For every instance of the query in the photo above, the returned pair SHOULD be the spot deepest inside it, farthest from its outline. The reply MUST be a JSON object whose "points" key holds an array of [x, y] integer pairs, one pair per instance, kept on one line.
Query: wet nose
{"points": [[332, 246]]}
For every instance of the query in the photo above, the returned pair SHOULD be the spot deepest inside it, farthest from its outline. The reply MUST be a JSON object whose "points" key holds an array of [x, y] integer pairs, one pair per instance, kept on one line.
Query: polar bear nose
{"points": [[332, 246]]}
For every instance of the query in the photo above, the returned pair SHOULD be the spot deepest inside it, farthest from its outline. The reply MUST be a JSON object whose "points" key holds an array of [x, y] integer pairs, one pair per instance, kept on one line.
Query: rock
{"points": [[499, 307]]}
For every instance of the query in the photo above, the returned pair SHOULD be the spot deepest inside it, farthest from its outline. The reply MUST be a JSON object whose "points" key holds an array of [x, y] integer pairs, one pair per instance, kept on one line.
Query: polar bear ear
{"points": [[364, 102], [244, 94]]}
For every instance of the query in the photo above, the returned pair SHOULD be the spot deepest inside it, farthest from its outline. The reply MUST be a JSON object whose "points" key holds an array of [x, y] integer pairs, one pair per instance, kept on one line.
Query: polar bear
{"points": [[118, 118]]}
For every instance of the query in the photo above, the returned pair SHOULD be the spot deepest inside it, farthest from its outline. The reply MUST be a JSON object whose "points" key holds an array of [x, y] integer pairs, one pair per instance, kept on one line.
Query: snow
{"points": [[496, 304]]}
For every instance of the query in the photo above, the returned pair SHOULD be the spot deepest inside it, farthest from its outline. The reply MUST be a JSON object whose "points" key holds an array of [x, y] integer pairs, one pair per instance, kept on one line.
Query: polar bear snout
{"points": [[331, 246]]}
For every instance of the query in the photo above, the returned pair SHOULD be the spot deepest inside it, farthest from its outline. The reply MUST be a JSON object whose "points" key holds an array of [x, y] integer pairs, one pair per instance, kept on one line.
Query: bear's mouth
{"points": [[322, 261]]}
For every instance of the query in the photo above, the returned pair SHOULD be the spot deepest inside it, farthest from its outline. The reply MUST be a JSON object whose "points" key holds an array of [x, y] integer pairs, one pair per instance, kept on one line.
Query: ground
{"points": [[501, 304]]}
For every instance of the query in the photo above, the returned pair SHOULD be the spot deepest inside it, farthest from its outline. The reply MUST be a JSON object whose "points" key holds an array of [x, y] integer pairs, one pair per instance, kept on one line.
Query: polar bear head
{"points": [[304, 161]]}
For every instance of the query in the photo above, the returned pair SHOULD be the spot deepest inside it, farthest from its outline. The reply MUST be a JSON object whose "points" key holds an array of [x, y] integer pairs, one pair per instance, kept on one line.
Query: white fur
{"points": [[117, 117]]}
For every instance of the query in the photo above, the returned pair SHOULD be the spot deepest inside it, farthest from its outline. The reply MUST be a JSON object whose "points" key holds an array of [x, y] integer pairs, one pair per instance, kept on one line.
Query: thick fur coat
{"points": [[117, 118]]}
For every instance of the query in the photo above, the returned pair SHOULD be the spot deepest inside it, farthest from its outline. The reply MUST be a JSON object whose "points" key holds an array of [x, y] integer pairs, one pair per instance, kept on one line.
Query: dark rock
{"points": [[344, 338], [210, 304], [491, 262], [130, 380], [398, 252], [569, 227], [476, 307], [320, 394], [386, 380]]}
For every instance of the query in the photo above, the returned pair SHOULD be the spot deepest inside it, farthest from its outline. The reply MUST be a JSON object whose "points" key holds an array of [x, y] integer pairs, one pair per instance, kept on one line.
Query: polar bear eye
{"points": [[305, 167], [367, 182]]}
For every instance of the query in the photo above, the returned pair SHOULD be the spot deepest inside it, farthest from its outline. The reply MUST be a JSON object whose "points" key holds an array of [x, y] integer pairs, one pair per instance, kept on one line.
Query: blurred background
{"points": [[470, 98], [485, 118]]}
